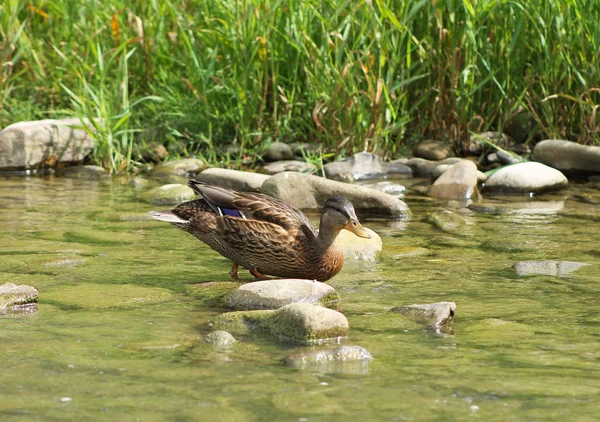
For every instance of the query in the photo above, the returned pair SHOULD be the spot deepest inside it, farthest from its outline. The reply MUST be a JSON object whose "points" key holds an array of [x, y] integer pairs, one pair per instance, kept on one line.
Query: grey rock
{"points": [[12, 295], [477, 142], [568, 156], [523, 127], [433, 150], [299, 322], [361, 166], [398, 168], [183, 167], [83, 172], [526, 177], [427, 168], [432, 315], [388, 187], [447, 221], [220, 339], [309, 193], [289, 165], [273, 294], [339, 360], [303, 148], [169, 194], [552, 268], [44, 143], [359, 248], [278, 151], [506, 157], [458, 182], [239, 180]]}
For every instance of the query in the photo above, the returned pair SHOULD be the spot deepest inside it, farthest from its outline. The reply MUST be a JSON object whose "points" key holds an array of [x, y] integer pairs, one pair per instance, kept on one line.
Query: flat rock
{"points": [[183, 167], [13, 295], [169, 194], [433, 150], [301, 322], [447, 221], [568, 156], [289, 165], [309, 193], [239, 180], [83, 172], [278, 151], [361, 166], [273, 294], [432, 315], [458, 182], [339, 360], [526, 177], [44, 143], [552, 268], [359, 248]]}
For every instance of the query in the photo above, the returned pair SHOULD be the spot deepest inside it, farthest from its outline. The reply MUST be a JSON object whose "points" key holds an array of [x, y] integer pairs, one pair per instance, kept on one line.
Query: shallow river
{"points": [[123, 301]]}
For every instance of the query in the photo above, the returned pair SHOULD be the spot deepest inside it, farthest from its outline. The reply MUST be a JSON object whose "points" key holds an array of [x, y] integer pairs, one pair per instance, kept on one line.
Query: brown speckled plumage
{"points": [[265, 235]]}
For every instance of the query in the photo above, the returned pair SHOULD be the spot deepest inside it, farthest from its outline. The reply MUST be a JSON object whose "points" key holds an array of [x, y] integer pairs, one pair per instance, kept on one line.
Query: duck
{"points": [[265, 235]]}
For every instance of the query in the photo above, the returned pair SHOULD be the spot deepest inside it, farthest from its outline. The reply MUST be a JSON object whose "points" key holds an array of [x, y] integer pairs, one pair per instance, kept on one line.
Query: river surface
{"points": [[124, 300]]}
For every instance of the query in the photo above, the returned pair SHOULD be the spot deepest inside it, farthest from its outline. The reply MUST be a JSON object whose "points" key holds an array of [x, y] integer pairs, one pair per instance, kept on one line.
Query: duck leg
{"points": [[234, 271], [254, 271]]}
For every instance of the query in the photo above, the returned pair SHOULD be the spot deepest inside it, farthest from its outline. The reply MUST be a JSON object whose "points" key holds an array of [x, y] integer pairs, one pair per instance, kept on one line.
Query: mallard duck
{"points": [[265, 235]]}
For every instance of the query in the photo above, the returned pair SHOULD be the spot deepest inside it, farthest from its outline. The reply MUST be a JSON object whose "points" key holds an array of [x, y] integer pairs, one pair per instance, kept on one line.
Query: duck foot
{"points": [[254, 271], [234, 271]]}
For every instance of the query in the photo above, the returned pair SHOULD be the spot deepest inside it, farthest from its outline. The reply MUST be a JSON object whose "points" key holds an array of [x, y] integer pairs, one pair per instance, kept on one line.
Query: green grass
{"points": [[373, 75]]}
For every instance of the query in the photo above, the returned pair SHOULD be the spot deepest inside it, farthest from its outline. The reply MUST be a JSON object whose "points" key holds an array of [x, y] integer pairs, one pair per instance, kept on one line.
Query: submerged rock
{"points": [[524, 178], [568, 156], [341, 360], [83, 172], [432, 315], [278, 151], [433, 150], [458, 182], [12, 295], [44, 143], [289, 165], [273, 294], [447, 221], [102, 296], [183, 167], [171, 194], [355, 247], [361, 166], [299, 322], [309, 193], [397, 168], [220, 339], [552, 268], [239, 180]]}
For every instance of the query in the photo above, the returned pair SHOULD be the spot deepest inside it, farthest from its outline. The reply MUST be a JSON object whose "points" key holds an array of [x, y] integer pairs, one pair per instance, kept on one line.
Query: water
{"points": [[124, 300]]}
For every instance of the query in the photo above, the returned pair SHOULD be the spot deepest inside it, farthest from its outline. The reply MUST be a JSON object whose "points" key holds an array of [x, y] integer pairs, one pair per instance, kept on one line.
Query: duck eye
{"points": [[354, 223]]}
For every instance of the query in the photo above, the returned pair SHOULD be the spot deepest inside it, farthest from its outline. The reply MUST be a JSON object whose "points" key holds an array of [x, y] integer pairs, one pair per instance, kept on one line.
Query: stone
{"points": [[506, 157], [220, 339], [301, 149], [278, 151], [361, 166], [568, 156], [12, 295], [273, 294], [340, 359], [426, 168], [458, 182], [432, 315], [359, 248], [171, 194], [479, 143], [309, 193], [523, 127], [551, 268], [525, 178], [139, 183], [289, 165], [44, 143], [152, 152], [239, 180], [83, 172], [397, 168], [447, 221], [183, 167], [388, 187], [433, 150], [301, 322]]}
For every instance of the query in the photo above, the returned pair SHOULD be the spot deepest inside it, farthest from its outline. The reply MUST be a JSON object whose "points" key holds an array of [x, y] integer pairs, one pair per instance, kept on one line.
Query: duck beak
{"points": [[355, 227]]}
